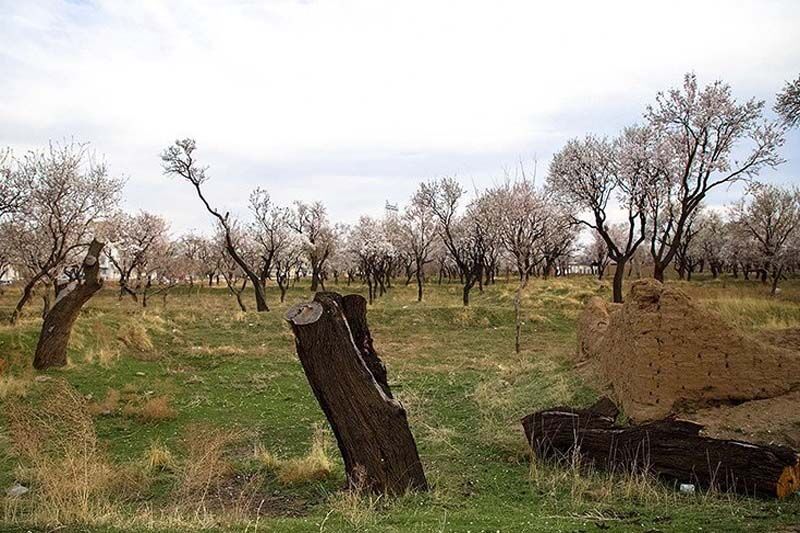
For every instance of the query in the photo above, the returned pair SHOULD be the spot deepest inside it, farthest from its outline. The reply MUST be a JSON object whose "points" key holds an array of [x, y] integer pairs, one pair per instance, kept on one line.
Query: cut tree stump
{"points": [[349, 381], [670, 448], [51, 350]]}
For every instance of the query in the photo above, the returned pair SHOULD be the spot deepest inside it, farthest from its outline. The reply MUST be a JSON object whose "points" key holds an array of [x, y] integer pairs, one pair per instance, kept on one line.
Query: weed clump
{"points": [[72, 480], [314, 466], [207, 463], [134, 335], [153, 410], [158, 457], [108, 406]]}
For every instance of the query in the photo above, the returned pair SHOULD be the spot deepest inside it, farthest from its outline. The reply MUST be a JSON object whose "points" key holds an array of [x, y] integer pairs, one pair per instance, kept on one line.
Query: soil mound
{"points": [[663, 354]]}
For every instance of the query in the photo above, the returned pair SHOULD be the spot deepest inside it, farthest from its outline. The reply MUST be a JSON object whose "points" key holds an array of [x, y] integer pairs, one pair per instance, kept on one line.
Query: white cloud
{"points": [[293, 95]]}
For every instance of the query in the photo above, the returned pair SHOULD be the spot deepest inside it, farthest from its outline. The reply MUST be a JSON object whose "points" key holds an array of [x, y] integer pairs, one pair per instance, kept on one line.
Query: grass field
{"points": [[193, 415]]}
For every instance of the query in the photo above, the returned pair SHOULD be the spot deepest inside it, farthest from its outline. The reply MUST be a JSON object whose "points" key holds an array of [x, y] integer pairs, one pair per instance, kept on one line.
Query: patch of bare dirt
{"points": [[663, 354], [785, 338], [245, 493], [771, 421]]}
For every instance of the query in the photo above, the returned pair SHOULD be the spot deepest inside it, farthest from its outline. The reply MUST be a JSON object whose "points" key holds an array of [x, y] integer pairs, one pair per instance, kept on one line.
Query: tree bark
{"points": [[670, 448], [619, 276], [658, 271], [523, 282], [51, 349], [419, 283], [335, 348], [468, 284], [316, 278], [354, 308], [27, 293]]}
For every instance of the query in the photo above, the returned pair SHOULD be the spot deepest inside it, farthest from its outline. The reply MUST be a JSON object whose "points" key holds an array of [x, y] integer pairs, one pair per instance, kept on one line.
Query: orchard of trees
{"points": [[636, 202]]}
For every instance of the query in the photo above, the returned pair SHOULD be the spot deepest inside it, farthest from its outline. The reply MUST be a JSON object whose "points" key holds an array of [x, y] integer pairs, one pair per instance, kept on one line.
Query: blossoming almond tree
{"points": [[588, 175], [708, 140], [68, 192], [770, 219], [178, 160]]}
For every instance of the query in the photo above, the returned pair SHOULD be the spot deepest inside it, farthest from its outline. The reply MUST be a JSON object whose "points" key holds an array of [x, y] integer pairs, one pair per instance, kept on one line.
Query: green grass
{"points": [[454, 368]]}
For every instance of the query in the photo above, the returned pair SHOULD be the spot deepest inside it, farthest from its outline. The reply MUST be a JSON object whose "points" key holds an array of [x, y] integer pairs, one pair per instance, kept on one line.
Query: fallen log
{"points": [[349, 381], [672, 449]]}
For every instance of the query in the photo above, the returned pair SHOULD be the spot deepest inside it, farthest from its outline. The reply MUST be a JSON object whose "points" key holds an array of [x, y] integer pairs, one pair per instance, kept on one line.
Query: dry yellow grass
{"points": [[206, 464], [313, 466], [103, 355], [156, 409], [357, 506], [158, 456], [109, 405], [13, 387], [218, 350], [60, 458], [134, 335]]}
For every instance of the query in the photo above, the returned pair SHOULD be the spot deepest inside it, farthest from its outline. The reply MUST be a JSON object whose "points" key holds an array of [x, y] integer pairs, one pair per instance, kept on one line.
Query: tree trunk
{"points": [[518, 313], [315, 279], [239, 296], [619, 276], [27, 293], [669, 448], [57, 327], [45, 301], [335, 349], [658, 271], [354, 308], [419, 284], [777, 272], [124, 289], [465, 292]]}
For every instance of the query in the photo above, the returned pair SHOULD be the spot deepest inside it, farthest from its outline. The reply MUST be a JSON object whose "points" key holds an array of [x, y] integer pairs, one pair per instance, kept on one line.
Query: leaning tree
{"points": [[234, 277], [69, 193], [178, 160], [51, 349]]}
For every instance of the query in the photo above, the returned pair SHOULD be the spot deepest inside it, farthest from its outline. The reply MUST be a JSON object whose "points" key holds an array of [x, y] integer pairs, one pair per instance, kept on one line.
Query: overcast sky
{"points": [[353, 103]]}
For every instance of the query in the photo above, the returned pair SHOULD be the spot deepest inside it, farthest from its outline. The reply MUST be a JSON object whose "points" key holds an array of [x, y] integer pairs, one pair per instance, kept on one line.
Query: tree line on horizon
{"points": [[653, 177]]}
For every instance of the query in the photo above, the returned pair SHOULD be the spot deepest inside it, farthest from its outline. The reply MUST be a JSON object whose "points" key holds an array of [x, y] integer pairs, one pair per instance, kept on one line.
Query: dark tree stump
{"points": [[335, 348], [51, 349], [670, 448], [354, 308]]}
